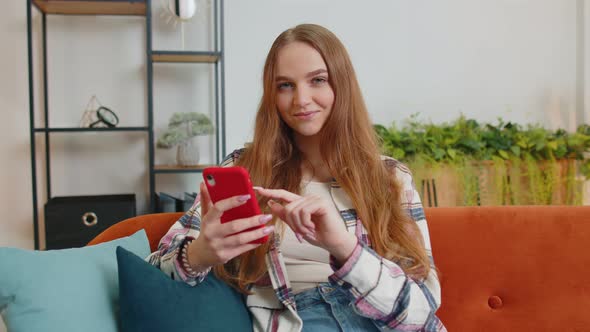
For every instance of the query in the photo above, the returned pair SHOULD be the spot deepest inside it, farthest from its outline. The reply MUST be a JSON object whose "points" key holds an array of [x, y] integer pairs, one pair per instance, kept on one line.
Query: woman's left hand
{"points": [[312, 217]]}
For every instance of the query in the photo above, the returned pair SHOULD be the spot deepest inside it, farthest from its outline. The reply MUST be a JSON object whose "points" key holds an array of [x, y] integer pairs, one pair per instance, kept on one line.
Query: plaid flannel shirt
{"points": [[378, 288]]}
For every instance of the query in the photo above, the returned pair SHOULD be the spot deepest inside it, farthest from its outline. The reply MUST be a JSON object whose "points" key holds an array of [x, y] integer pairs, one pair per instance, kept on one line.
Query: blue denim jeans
{"points": [[326, 308]]}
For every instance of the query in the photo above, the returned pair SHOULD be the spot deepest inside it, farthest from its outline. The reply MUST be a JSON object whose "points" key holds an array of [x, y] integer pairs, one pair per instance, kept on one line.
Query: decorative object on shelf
{"points": [[98, 116], [183, 128], [182, 11], [467, 163]]}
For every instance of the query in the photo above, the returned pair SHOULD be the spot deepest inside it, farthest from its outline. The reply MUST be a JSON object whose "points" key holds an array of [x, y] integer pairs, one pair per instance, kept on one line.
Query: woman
{"points": [[349, 246]]}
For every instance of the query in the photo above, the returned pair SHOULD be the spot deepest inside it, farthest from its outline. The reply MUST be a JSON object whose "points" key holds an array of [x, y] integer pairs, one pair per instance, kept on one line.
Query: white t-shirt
{"points": [[306, 264]]}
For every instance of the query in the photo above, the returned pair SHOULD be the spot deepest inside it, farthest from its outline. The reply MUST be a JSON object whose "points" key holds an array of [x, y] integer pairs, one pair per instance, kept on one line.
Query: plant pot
{"points": [[585, 192], [187, 153], [438, 186], [543, 183], [566, 187], [499, 183], [561, 193], [492, 188]]}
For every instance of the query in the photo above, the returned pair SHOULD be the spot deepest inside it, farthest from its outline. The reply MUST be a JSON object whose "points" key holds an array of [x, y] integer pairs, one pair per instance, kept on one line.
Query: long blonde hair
{"points": [[349, 148]]}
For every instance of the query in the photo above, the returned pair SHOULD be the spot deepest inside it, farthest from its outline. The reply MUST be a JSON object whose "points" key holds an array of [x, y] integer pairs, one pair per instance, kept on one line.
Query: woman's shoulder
{"points": [[395, 165], [399, 169]]}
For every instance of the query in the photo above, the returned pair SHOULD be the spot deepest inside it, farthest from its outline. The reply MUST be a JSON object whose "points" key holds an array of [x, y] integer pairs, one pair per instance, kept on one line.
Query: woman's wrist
{"points": [[342, 252], [191, 262]]}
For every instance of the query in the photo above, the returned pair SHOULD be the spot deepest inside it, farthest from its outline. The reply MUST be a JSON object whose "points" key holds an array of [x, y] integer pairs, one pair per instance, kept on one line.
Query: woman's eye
{"points": [[284, 86], [319, 80]]}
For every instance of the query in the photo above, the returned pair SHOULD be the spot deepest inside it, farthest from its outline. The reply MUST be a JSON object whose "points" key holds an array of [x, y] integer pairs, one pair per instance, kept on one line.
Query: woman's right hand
{"points": [[218, 243]]}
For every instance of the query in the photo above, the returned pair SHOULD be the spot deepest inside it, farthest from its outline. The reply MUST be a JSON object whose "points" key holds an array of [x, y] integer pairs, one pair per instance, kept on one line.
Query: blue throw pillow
{"points": [[64, 290], [151, 301]]}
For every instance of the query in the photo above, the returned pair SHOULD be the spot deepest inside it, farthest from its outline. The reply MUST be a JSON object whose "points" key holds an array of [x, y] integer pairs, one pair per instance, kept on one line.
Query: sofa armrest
{"points": [[156, 225]]}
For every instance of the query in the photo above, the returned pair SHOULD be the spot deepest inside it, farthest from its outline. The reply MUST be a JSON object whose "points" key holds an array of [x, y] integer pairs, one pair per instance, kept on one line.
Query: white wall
{"points": [[586, 58], [515, 59], [16, 226]]}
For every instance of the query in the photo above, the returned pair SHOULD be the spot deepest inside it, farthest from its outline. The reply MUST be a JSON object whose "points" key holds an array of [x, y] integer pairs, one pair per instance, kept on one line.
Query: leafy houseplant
{"points": [[468, 163], [181, 131]]}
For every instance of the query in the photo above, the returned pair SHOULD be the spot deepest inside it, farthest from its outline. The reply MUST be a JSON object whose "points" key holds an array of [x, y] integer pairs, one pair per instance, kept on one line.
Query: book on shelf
{"points": [[174, 202]]}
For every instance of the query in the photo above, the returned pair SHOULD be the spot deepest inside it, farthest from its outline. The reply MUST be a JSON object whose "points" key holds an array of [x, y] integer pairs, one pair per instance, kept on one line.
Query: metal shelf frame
{"points": [[216, 58], [128, 8]]}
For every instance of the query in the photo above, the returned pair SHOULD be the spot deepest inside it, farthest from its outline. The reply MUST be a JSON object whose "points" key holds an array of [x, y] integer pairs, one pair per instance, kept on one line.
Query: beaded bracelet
{"points": [[185, 264]]}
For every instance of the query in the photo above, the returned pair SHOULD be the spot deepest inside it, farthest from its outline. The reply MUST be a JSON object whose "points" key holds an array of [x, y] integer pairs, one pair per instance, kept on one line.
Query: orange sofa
{"points": [[522, 268]]}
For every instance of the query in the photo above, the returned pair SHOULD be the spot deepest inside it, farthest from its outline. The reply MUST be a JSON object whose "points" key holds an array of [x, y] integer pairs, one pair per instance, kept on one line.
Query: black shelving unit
{"points": [[125, 8]]}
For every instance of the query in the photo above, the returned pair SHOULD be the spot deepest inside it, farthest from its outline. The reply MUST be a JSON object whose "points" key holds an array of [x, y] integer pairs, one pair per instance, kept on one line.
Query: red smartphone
{"points": [[226, 182]]}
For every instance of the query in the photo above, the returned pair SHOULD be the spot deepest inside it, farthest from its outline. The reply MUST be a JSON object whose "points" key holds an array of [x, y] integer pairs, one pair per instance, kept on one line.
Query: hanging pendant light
{"points": [[183, 9]]}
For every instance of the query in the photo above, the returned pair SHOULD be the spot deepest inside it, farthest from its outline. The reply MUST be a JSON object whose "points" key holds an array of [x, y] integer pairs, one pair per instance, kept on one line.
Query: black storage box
{"points": [[73, 221]]}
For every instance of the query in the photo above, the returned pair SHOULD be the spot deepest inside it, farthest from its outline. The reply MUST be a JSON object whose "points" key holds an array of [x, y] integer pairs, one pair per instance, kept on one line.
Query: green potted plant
{"points": [[183, 128], [468, 163]]}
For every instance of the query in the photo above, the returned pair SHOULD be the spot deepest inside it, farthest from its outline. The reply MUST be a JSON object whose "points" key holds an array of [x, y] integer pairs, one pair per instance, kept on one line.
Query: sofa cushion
{"points": [[151, 301], [64, 290]]}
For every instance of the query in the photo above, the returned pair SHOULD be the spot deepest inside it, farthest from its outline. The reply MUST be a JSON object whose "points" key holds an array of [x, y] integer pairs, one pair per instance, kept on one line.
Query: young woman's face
{"points": [[304, 95]]}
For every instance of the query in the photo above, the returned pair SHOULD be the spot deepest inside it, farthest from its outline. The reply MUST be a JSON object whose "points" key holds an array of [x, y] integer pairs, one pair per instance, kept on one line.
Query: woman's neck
{"points": [[313, 167]]}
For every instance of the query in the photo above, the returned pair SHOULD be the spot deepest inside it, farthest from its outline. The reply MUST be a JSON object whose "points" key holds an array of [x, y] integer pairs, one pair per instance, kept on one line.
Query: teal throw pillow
{"points": [[151, 301], [64, 290]]}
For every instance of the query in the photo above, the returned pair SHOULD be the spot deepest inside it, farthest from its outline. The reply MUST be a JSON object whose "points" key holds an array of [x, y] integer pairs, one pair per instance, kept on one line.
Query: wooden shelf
{"points": [[76, 129], [180, 169], [92, 7], [191, 57]]}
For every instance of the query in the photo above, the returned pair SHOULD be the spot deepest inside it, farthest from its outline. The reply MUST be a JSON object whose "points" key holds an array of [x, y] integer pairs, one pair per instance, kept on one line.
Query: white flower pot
{"points": [[187, 153]]}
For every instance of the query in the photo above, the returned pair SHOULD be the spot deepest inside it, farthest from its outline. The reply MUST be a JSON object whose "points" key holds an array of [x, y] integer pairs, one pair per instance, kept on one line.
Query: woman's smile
{"points": [[306, 116]]}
